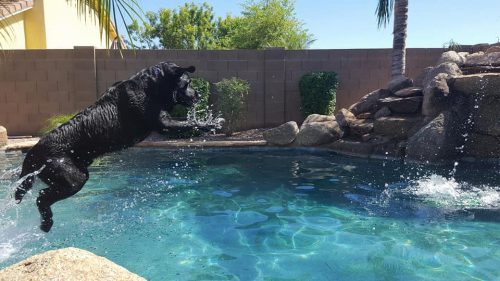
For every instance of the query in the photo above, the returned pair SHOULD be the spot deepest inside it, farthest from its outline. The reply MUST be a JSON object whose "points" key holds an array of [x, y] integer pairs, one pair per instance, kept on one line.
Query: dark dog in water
{"points": [[126, 114]]}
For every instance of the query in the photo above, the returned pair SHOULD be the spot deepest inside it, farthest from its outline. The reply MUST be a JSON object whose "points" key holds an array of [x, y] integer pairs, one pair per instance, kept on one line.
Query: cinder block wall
{"points": [[36, 84]]}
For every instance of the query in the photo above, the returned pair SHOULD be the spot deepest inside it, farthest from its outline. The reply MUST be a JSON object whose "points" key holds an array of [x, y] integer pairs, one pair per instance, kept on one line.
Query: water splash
{"points": [[15, 230], [447, 192], [205, 118], [11, 173], [474, 111]]}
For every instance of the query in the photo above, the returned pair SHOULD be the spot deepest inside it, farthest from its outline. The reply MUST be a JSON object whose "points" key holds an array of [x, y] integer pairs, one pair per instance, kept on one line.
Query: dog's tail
{"points": [[27, 177]]}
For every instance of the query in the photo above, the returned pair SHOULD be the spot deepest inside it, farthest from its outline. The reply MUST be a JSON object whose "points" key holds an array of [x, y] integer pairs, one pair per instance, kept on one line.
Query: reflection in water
{"points": [[269, 215]]}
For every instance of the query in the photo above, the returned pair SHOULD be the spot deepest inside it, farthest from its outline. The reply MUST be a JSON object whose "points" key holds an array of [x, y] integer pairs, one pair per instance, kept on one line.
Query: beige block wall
{"points": [[36, 84]]}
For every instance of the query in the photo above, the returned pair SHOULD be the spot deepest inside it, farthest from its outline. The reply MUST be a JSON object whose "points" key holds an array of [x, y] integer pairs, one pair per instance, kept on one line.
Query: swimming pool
{"points": [[269, 214]]}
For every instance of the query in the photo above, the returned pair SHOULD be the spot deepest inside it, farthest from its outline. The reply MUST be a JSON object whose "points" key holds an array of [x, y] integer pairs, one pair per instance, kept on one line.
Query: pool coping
{"points": [[26, 144], [189, 143]]}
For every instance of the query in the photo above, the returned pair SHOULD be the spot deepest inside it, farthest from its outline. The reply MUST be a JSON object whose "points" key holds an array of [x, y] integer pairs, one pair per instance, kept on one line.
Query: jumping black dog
{"points": [[125, 114]]}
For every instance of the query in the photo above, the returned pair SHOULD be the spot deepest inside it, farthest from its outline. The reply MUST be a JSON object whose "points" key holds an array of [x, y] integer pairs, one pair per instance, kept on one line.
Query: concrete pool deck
{"points": [[239, 139]]}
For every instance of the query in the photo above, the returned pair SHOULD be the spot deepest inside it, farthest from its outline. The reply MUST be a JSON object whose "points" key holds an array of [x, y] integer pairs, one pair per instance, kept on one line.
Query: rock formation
{"points": [[454, 113]]}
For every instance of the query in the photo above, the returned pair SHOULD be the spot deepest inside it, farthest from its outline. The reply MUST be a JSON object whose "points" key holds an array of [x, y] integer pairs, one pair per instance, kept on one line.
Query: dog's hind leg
{"points": [[64, 179], [24, 187]]}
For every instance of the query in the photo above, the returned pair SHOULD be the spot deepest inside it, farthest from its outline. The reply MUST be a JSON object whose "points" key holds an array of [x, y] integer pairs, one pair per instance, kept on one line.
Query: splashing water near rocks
{"points": [[205, 118]]}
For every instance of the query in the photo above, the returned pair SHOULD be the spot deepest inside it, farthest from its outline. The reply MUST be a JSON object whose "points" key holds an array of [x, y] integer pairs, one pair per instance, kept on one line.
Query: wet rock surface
{"points": [[436, 141]]}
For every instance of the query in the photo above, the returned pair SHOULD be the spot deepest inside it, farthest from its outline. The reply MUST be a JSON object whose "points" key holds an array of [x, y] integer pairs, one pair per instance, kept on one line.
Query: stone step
{"points": [[376, 148], [485, 84], [360, 127], [402, 105], [396, 126], [409, 92], [467, 70]]}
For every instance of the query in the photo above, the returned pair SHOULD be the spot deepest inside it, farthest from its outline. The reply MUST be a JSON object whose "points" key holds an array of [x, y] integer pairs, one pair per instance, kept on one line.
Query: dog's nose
{"points": [[197, 95]]}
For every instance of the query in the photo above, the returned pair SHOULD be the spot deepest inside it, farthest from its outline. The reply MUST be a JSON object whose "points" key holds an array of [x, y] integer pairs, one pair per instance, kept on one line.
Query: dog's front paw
{"points": [[46, 225]]}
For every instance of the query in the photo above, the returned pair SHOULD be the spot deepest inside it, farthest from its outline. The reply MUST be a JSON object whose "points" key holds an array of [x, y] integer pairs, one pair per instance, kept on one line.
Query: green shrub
{"points": [[55, 121], [231, 101], [202, 86], [318, 91]]}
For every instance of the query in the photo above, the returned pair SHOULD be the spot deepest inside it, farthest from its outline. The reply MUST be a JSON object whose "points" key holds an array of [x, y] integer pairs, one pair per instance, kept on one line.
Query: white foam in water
{"points": [[10, 174], [448, 192], [6, 250], [205, 117]]}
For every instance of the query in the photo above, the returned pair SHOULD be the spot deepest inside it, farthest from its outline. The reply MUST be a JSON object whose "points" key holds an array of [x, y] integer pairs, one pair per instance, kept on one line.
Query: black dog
{"points": [[126, 114]]}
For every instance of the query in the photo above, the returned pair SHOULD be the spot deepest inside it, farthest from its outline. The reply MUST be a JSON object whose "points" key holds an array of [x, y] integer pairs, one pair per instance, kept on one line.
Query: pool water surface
{"points": [[268, 214]]}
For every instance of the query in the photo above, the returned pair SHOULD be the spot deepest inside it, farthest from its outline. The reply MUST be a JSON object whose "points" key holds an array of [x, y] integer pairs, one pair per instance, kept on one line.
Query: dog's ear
{"points": [[181, 70]]}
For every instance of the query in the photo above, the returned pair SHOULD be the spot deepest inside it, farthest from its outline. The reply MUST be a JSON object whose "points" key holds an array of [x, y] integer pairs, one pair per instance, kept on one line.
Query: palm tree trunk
{"points": [[399, 41]]}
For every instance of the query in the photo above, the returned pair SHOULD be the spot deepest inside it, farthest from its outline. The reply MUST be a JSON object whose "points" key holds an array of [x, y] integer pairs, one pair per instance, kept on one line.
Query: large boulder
{"points": [[436, 94], [485, 59], [318, 130], [399, 83], [317, 118], [369, 102], [486, 116], [451, 56], [484, 84], [3, 136], [436, 90], [69, 264], [395, 126], [344, 117], [448, 68], [402, 105], [282, 135], [437, 141]]}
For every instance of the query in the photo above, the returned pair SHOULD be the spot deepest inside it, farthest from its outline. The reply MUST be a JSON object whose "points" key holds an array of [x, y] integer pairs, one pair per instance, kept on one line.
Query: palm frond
{"points": [[384, 11], [6, 30], [108, 11]]}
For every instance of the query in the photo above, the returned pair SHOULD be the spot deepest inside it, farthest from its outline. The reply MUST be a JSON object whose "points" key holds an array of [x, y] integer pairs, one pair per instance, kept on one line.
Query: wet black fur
{"points": [[125, 114]]}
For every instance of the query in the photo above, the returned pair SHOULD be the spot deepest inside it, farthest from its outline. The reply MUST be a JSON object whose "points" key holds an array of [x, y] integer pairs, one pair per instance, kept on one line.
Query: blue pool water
{"points": [[271, 214]]}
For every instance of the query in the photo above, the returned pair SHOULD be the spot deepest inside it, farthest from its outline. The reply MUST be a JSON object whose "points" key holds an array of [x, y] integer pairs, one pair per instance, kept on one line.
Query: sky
{"points": [[346, 24]]}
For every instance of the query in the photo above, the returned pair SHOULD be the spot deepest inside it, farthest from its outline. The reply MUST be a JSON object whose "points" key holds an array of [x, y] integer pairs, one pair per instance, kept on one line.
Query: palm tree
{"points": [[384, 11], [107, 12]]}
